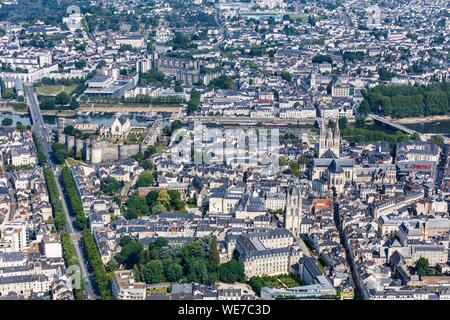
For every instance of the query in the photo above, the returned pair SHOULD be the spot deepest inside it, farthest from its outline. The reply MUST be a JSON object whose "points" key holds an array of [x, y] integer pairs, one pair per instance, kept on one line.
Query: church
{"points": [[293, 211], [329, 171], [120, 127]]}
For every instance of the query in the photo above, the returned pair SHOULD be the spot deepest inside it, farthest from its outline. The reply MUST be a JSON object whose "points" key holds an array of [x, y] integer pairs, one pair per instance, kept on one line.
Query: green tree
{"points": [[74, 104], [137, 274], [7, 122], [110, 186], [42, 157], [343, 123], [159, 243], [60, 152], [320, 58], [147, 164], [112, 265], [151, 198], [197, 271], [194, 102], [153, 76], [360, 122], [47, 104], [145, 179], [286, 76], [136, 207], [154, 272], [158, 208], [423, 267], [181, 41], [75, 205], [436, 103], [214, 258], [437, 140], [163, 198], [95, 261], [62, 98], [175, 125], [129, 255], [295, 169], [232, 271], [173, 270], [176, 202], [222, 82], [283, 161], [364, 108], [193, 250]]}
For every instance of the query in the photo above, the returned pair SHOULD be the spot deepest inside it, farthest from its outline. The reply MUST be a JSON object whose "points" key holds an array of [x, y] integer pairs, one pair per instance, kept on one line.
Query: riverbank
{"points": [[104, 107], [55, 113], [424, 119]]}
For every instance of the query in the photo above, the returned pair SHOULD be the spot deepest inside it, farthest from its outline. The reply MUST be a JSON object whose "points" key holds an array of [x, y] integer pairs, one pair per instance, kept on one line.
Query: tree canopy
{"points": [[407, 101], [197, 261]]}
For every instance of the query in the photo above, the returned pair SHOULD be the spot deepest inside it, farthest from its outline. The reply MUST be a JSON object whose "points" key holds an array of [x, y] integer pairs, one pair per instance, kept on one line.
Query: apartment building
{"points": [[124, 287]]}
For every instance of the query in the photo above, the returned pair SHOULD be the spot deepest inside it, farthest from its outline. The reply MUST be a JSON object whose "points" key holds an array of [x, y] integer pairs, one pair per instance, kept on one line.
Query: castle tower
{"points": [[329, 140], [293, 212], [96, 153]]}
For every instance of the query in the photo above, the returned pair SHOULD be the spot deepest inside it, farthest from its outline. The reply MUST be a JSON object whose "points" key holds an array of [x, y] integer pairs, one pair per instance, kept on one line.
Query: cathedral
{"points": [[330, 171], [329, 141]]}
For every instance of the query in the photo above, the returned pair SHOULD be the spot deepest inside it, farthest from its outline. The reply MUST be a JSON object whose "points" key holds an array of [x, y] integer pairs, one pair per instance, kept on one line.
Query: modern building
{"points": [[124, 286]]}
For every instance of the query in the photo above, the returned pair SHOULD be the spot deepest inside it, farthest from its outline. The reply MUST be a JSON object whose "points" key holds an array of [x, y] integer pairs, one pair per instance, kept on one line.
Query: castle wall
{"points": [[103, 151], [61, 137], [70, 142], [127, 151]]}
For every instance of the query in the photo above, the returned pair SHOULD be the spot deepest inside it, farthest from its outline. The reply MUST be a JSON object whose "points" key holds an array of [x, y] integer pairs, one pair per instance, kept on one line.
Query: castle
{"points": [[101, 151]]}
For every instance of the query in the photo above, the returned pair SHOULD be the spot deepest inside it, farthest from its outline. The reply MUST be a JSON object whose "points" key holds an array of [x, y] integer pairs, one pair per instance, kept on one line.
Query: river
{"points": [[104, 119], [442, 127]]}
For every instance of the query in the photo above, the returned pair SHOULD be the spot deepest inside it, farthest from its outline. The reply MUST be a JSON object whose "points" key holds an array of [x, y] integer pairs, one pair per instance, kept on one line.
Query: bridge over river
{"points": [[398, 126]]}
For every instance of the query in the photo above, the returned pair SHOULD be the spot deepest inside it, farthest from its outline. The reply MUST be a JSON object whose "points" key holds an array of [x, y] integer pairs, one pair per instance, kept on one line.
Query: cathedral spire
{"points": [[329, 140]]}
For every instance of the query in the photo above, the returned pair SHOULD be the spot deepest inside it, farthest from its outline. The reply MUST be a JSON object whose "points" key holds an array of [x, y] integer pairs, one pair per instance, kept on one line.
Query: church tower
{"points": [[312, 82], [293, 212], [329, 140]]}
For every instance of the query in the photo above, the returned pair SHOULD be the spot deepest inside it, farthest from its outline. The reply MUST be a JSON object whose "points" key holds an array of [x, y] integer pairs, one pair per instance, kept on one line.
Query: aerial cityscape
{"points": [[224, 150]]}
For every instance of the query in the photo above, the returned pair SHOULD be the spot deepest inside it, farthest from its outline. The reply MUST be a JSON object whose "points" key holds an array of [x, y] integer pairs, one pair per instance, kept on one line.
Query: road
{"points": [[44, 137], [360, 293], [441, 167], [13, 204]]}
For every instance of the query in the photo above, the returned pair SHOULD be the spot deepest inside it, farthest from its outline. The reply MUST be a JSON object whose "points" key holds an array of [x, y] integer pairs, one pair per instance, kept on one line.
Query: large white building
{"points": [[21, 156], [124, 286], [13, 236], [267, 252]]}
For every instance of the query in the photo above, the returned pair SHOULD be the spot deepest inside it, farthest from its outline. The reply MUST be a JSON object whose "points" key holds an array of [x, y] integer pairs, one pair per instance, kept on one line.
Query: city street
{"points": [[44, 137]]}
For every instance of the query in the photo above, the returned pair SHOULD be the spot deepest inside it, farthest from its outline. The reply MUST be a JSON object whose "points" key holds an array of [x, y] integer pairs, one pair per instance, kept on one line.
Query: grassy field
{"points": [[18, 106], [53, 90], [70, 162], [299, 17], [151, 291]]}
